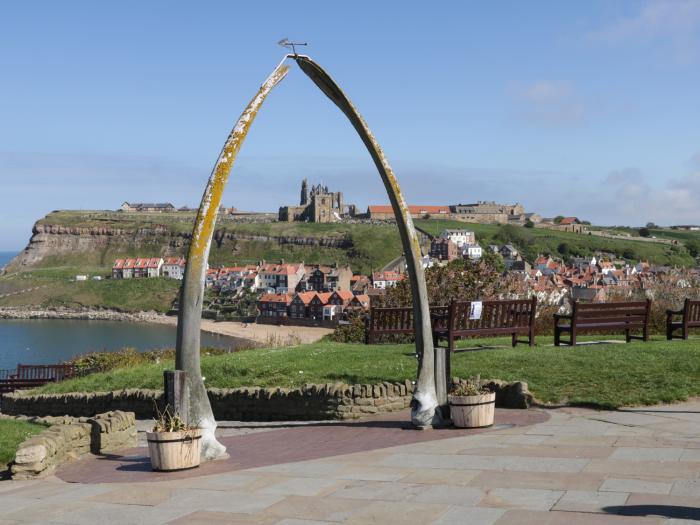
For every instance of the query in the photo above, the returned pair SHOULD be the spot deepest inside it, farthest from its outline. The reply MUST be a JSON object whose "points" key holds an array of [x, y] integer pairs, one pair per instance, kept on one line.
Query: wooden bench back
{"points": [[627, 313], [45, 372], [397, 320], [516, 313], [691, 312]]}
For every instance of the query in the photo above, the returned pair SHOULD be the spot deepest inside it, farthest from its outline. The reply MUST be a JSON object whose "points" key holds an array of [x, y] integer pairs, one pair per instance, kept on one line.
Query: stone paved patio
{"points": [[638, 466]]}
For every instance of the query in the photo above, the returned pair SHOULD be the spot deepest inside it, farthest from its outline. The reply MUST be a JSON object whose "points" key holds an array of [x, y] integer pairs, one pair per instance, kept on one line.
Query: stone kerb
{"points": [[309, 402], [69, 438]]}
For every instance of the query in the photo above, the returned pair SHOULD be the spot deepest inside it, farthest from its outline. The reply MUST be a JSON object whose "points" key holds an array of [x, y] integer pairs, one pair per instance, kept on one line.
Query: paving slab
{"points": [[471, 516], [530, 499], [635, 485], [558, 467], [590, 501]]}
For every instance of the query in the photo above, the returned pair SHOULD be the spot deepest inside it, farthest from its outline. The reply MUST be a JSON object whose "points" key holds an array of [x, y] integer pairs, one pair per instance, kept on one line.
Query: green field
{"points": [[12, 433], [535, 241], [604, 375], [54, 287]]}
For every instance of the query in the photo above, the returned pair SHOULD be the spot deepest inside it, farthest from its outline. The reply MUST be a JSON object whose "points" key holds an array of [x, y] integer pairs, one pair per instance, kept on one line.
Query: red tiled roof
{"points": [[568, 220], [276, 298], [118, 264], [306, 297]]}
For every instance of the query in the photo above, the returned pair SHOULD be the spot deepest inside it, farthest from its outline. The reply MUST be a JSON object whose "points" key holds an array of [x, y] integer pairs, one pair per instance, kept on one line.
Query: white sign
{"points": [[475, 310]]}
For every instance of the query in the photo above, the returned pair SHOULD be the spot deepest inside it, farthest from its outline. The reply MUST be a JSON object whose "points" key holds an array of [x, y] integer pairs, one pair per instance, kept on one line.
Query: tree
{"points": [[629, 254], [651, 225], [558, 219], [563, 249], [529, 224], [644, 232], [693, 248], [457, 280]]}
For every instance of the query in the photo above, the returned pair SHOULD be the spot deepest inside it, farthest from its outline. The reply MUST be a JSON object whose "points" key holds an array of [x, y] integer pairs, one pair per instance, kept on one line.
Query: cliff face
{"points": [[98, 246]]}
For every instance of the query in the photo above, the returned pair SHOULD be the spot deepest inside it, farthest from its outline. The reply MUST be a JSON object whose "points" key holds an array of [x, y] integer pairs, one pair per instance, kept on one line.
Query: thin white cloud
{"points": [[635, 199], [549, 103], [671, 26]]}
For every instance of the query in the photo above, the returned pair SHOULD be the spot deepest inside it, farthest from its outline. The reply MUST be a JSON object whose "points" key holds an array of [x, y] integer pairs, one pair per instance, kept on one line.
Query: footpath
{"points": [[565, 466]]}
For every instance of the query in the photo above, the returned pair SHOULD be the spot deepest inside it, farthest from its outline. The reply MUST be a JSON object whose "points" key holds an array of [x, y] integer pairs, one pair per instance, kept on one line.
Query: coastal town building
{"points": [[281, 278], [174, 268], [384, 280], [444, 249], [137, 268], [323, 278], [487, 212], [459, 237], [473, 252]]}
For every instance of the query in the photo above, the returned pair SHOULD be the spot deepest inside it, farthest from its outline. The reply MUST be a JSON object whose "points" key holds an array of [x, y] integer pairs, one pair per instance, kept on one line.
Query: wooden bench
{"points": [[603, 317], [509, 317], [32, 376], [396, 321], [690, 319]]}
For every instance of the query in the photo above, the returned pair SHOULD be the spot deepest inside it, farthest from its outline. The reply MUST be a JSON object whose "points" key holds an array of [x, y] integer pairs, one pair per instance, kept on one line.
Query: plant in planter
{"points": [[172, 444], [472, 405]]}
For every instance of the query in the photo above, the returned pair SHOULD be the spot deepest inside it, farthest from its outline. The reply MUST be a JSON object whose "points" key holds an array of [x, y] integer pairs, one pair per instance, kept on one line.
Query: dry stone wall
{"points": [[68, 438], [310, 402]]}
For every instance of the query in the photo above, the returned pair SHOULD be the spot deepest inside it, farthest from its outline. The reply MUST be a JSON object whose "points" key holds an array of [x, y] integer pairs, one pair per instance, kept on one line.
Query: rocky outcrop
{"points": [[68, 438], [60, 240], [87, 314]]}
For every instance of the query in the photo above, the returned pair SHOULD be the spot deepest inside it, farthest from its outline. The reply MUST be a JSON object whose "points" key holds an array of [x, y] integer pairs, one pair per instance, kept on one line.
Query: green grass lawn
{"points": [[12, 433], [54, 287], [604, 375]]}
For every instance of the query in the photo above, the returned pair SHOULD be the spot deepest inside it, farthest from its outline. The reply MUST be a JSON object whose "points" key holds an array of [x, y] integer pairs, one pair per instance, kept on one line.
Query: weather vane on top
{"points": [[291, 45]]}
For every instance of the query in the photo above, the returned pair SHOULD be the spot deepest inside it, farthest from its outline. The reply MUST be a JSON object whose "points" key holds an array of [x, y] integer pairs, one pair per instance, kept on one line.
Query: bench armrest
{"points": [[561, 316], [674, 312]]}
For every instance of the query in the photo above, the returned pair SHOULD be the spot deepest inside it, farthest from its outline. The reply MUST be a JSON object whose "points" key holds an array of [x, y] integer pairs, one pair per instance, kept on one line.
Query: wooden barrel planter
{"points": [[473, 411], [171, 451]]}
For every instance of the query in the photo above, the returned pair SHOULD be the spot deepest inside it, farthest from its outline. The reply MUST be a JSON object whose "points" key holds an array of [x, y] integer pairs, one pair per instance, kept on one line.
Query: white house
{"points": [[154, 266], [459, 237], [472, 251], [383, 280], [173, 267]]}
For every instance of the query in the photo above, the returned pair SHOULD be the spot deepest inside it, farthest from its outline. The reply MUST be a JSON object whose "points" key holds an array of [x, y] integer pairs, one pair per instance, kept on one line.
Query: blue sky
{"points": [[576, 108]]}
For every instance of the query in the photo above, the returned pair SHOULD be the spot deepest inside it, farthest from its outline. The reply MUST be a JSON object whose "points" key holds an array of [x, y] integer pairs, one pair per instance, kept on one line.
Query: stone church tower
{"points": [[304, 193]]}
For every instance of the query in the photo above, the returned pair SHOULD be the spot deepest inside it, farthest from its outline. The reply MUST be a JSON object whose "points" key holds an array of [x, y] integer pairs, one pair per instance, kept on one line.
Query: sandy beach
{"points": [[269, 335], [272, 335]]}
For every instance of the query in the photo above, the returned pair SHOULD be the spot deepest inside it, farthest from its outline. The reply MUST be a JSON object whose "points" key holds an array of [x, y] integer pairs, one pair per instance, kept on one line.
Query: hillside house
{"points": [[384, 280], [174, 268], [444, 249], [472, 252], [281, 277], [299, 307], [322, 278], [359, 284], [359, 302], [118, 269], [459, 237], [154, 266], [317, 303], [128, 268], [274, 305]]}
